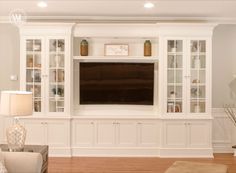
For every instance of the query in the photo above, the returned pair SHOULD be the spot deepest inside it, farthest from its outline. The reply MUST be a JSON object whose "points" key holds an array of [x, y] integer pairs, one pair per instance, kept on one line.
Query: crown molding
{"points": [[128, 19]]}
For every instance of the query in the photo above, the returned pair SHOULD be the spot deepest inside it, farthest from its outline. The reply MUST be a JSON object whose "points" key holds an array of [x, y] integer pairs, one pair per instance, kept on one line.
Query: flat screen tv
{"points": [[116, 83]]}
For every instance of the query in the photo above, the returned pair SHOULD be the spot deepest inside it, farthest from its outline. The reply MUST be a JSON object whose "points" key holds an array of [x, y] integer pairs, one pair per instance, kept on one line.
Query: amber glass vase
{"points": [[147, 48], [84, 48]]}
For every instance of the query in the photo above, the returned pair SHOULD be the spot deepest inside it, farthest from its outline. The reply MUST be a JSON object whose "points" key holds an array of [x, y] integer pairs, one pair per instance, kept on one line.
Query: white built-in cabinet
{"points": [[187, 134], [113, 134], [45, 67], [177, 125], [187, 138], [45, 70], [185, 70], [52, 132]]}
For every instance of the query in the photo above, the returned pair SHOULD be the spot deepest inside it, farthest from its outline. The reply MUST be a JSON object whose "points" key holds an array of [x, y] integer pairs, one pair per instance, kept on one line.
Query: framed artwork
{"points": [[116, 49]]}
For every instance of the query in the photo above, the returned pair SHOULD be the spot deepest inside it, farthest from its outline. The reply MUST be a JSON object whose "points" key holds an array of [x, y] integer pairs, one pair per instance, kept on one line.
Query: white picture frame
{"points": [[116, 50]]}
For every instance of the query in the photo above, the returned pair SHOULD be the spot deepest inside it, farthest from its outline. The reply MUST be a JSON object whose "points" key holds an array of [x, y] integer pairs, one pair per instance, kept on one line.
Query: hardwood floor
{"points": [[127, 165]]}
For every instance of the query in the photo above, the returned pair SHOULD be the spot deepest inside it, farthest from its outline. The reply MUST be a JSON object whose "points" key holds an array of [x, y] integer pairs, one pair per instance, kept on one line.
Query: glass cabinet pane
{"points": [[198, 76], [34, 71], [56, 75], [174, 76]]}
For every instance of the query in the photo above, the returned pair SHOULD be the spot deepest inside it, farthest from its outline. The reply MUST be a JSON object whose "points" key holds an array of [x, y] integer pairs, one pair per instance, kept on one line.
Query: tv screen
{"points": [[116, 83]]}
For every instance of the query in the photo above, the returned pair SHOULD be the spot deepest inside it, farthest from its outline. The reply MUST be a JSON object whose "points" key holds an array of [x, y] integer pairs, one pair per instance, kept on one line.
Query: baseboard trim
{"points": [[115, 152], [186, 153], [59, 152], [142, 152]]}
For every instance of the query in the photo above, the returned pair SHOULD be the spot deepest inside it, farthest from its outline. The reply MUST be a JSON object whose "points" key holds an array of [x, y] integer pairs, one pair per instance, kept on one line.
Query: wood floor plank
{"points": [[128, 165]]}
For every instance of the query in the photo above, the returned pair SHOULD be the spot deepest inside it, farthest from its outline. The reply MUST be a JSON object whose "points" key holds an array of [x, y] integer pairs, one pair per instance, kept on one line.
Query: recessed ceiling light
{"points": [[42, 4], [148, 5]]}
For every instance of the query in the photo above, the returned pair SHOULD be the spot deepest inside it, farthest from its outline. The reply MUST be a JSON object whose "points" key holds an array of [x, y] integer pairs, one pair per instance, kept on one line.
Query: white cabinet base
{"points": [[143, 152], [186, 153], [59, 152], [116, 152]]}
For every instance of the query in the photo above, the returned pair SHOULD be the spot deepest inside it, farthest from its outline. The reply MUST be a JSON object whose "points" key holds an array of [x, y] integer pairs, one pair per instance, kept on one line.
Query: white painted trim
{"points": [[186, 153], [59, 152], [115, 152], [46, 29], [221, 146], [130, 19]]}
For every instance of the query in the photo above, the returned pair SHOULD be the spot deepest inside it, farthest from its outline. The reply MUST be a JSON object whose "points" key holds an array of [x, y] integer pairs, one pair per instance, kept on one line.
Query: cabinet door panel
{"points": [[33, 67], [57, 133], [148, 134], [175, 134], [174, 66], [83, 133], [36, 133], [105, 133], [199, 134], [56, 70], [126, 133], [198, 76]]}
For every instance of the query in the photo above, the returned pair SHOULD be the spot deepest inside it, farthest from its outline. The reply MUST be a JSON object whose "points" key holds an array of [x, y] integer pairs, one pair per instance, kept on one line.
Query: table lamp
{"points": [[16, 104]]}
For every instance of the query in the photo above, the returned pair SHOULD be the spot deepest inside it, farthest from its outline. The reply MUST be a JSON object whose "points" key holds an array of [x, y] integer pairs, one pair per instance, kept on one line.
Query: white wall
{"points": [[224, 64], [9, 56]]}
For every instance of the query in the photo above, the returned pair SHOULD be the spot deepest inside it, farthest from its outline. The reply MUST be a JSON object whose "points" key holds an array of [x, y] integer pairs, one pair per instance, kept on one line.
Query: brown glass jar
{"points": [[147, 48], [84, 48]]}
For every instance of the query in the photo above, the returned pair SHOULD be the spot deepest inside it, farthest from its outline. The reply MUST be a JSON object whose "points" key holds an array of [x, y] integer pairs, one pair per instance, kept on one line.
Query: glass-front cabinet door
{"points": [[187, 76], [56, 71], [175, 70], [197, 76], [33, 71]]}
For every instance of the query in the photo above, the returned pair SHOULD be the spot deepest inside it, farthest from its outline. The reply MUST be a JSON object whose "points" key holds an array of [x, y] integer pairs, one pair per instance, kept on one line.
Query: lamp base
{"points": [[16, 135]]}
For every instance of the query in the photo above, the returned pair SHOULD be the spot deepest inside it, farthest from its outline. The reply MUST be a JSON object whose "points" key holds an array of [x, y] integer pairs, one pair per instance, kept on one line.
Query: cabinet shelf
{"points": [[56, 68], [56, 83], [129, 59], [33, 83], [33, 52], [175, 68], [57, 52], [175, 84], [198, 53], [60, 99], [175, 53], [174, 99], [33, 68], [198, 69], [197, 84], [198, 99]]}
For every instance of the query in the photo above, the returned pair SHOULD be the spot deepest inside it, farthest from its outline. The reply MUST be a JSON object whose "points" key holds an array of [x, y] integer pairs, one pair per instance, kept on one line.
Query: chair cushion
{"points": [[2, 164], [195, 167]]}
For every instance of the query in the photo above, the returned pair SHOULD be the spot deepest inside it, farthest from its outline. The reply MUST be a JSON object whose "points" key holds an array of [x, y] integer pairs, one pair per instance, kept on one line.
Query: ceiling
{"points": [[223, 11]]}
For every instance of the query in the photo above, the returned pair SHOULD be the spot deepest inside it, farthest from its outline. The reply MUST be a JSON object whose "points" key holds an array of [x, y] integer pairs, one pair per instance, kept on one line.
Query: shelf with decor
{"points": [[136, 59], [115, 48]]}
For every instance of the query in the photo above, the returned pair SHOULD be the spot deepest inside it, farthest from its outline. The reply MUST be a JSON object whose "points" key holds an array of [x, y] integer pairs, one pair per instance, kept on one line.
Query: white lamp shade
{"points": [[16, 103]]}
